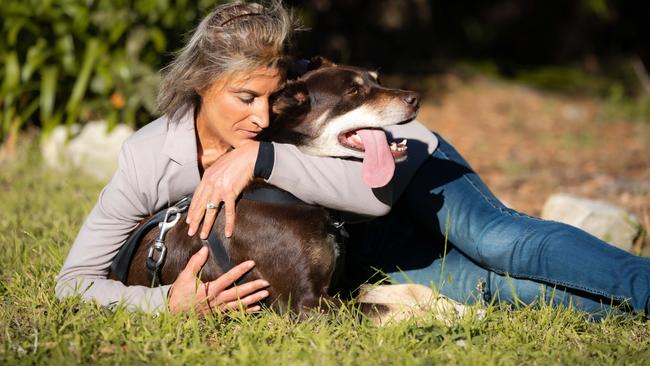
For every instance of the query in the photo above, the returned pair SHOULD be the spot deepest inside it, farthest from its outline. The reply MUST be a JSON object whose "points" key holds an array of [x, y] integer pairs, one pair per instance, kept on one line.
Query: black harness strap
{"points": [[270, 195], [219, 251], [220, 254], [122, 261]]}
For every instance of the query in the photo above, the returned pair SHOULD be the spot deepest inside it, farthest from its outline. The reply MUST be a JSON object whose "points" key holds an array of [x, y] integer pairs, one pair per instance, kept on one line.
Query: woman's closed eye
{"points": [[247, 99]]}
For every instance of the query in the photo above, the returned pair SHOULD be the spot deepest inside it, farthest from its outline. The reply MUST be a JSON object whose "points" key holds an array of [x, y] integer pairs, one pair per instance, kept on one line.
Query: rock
{"points": [[601, 219], [53, 146], [93, 151]]}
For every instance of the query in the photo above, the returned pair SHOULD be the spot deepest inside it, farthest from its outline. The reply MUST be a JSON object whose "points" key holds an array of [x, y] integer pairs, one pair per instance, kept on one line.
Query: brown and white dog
{"points": [[335, 111]]}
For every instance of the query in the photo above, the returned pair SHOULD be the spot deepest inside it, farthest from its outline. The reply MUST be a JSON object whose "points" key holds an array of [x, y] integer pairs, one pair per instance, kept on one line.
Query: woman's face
{"points": [[234, 110]]}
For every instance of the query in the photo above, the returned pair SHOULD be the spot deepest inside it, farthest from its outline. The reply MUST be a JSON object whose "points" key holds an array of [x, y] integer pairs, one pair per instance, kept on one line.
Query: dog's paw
{"points": [[390, 303]]}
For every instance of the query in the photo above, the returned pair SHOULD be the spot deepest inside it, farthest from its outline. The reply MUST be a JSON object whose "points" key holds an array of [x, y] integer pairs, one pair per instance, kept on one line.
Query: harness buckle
{"points": [[172, 216]]}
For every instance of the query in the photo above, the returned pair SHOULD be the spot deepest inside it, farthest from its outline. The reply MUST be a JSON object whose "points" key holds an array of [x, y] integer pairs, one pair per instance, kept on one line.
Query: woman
{"points": [[492, 252]]}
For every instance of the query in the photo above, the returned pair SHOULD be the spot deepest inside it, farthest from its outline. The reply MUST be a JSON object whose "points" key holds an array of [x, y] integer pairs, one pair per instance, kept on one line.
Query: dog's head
{"points": [[339, 111]]}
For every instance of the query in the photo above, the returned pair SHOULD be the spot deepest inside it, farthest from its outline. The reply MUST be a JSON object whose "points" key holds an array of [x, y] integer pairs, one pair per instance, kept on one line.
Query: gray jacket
{"points": [[158, 165]]}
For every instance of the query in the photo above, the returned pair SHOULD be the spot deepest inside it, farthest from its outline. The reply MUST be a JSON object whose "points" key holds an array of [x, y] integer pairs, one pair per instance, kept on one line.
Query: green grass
{"points": [[41, 212]]}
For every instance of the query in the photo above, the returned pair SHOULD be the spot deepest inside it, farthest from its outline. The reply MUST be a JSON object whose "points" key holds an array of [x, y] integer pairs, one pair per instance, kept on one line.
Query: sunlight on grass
{"points": [[42, 211]]}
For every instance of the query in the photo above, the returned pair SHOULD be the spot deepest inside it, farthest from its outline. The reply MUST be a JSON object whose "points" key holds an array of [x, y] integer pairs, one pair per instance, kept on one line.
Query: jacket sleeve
{"points": [[338, 184], [119, 208]]}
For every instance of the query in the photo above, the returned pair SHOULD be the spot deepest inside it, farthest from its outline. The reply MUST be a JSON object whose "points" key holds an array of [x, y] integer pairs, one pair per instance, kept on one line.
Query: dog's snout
{"points": [[411, 99]]}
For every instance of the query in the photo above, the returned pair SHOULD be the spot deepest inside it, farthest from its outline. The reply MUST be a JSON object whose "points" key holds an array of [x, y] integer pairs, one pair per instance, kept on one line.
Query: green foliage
{"points": [[42, 212], [619, 105], [62, 61], [619, 91], [597, 7], [565, 79]]}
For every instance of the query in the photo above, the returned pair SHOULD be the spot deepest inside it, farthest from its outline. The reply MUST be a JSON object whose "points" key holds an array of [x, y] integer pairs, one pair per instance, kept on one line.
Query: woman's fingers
{"points": [[197, 261], [222, 181], [184, 291], [208, 220], [224, 298], [242, 291], [246, 302], [230, 216], [254, 308], [197, 208], [211, 216], [215, 294], [228, 278]]}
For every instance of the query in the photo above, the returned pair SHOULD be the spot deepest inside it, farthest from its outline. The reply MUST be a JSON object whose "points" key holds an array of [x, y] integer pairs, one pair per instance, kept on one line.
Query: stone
{"points": [[92, 150], [53, 146], [601, 219]]}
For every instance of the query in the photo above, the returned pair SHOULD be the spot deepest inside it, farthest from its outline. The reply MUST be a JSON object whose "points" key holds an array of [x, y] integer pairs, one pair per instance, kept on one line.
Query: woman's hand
{"points": [[188, 293], [223, 181]]}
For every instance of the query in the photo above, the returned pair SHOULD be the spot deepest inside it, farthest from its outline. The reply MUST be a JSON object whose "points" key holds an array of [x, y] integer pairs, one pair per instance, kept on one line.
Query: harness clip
{"points": [[172, 216], [154, 263]]}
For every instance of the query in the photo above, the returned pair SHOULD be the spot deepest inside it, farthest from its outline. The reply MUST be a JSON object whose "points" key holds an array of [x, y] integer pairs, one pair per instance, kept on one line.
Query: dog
{"points": [[332, 110]]}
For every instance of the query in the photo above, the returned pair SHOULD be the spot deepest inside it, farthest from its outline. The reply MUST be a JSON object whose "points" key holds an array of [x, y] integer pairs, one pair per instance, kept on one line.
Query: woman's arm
{"points": [[118, 210], [329, 182], [120, 207], [338, 184]]}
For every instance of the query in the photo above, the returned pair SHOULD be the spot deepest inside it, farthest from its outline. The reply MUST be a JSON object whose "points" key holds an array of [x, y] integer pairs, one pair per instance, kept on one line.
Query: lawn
{"points": [[41, 212]]}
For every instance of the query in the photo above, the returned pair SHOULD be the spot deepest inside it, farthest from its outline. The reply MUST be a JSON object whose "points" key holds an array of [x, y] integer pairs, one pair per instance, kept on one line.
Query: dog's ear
{"points": [[318, 62], [293, 97]]}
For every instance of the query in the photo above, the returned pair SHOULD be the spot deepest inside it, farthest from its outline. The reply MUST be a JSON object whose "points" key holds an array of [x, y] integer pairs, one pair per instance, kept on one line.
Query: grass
{"points": [[41, 212]]}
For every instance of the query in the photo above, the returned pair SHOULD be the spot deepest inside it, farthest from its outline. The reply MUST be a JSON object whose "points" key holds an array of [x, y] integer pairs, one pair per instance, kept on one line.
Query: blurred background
{"points": [[540, 96]]}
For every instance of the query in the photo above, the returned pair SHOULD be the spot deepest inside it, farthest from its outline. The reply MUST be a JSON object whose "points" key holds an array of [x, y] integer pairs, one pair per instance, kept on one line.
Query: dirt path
{"points": [[527, 144]]}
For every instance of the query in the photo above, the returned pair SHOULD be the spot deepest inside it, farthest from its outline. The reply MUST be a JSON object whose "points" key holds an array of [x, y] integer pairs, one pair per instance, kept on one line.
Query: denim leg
{"points": [[461, 279], [447, 194]]}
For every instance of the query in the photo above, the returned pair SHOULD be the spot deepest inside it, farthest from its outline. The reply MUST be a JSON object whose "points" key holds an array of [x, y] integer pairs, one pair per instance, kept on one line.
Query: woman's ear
{"points": [[293, 97]]}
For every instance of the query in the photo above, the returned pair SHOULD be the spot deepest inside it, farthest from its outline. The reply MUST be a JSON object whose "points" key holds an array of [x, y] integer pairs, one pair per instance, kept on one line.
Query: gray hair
{"points": [[235, 37]]}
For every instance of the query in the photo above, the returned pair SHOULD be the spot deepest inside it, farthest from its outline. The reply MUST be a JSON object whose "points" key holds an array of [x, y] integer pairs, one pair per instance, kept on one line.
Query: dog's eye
{"points": [[353, 90]]}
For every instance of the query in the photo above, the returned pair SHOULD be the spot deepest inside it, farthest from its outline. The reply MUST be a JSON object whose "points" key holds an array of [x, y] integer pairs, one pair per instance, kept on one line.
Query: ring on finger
{"points": [[211, 206]]}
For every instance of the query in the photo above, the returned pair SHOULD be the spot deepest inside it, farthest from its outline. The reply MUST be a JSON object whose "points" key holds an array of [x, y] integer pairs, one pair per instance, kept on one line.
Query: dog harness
{"points": [[166, 219]]}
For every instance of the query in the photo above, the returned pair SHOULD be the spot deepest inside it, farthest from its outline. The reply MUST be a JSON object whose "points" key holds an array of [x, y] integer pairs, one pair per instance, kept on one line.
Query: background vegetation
{"points": [[66, 61], [585, 47]]}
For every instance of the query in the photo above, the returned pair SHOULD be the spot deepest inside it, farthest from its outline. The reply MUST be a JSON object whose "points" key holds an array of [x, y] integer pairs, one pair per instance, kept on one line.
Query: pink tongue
{"points": [[378, 162]]}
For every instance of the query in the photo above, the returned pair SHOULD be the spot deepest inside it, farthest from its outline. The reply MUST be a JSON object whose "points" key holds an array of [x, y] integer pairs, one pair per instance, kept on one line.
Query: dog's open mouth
{"points": [[379, 156], [352, 140]]}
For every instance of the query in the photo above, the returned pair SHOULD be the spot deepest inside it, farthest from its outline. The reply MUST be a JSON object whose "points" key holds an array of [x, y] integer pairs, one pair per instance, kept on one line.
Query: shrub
{"points": [[63, 61]]}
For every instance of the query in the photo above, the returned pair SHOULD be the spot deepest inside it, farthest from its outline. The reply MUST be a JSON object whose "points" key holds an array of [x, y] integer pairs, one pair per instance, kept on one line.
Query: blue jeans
{"points": [[493, 253]]}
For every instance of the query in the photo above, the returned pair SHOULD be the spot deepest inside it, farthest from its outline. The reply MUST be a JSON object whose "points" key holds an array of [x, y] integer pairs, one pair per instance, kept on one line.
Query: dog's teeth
{"points": [[403, 142]]}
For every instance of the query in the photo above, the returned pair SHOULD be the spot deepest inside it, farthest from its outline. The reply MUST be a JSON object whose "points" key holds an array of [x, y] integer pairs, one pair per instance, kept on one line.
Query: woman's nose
{"points": [[261, 114]]}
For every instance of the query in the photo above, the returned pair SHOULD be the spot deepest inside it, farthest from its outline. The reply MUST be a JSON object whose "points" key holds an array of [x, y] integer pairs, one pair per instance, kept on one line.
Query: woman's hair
{"points": [[235, 37]]}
